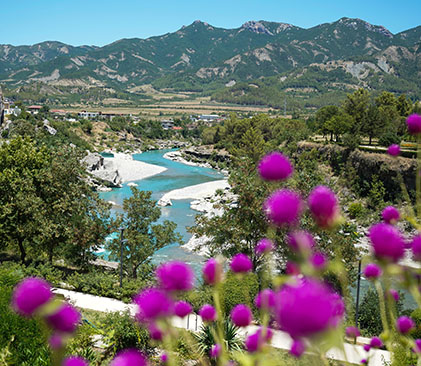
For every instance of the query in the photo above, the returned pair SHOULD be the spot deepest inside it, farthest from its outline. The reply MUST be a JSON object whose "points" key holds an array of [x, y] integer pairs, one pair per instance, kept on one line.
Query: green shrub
{"points": [[389, 138], [416, 317], [235, 291], [355, 210]]}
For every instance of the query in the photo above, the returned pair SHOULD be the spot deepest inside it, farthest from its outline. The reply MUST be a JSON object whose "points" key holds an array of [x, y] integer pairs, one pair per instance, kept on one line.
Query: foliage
{"points": [[45, 206], [22, 341], [143, 237], [355, 210]]}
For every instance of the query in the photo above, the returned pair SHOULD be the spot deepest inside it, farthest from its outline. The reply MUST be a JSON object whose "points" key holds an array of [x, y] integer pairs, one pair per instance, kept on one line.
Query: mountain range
{"points": [[229, 64]]}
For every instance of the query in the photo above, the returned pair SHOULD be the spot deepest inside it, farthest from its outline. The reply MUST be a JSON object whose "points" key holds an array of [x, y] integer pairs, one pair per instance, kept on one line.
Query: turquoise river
{"points": [[176, 176]]}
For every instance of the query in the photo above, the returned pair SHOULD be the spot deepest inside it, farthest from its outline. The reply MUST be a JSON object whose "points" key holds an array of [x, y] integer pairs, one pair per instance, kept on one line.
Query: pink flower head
{"points": [[324, 206], [292, 268], [414, 124], [265, 299], [391, 215], [55, 341], [366, 347], [417, 348], [241, 315], [254, 342], [283, 207], [297, 348], [212, 272], [175, 276], [404, 324], [318, 261], [65, 319], [30, 294], [275, 166], [153, 304], [372, 271], [264, 246], [75, 361], [364, 361], [164, 358], [353, 332], [387, 242], [300, 241], [394, 294], [182, 309], [154, 332], [394, 150], [241, 263], [307, 307], [376, 342], [129, 357], [215, 351], [208, 313], [416, 247]]}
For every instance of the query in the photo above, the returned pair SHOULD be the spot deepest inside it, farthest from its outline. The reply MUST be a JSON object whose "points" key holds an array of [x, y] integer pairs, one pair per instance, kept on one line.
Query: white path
{"points": [[281, 340]]}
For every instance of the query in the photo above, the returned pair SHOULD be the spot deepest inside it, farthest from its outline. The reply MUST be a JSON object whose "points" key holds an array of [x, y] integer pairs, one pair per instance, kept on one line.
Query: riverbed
{"points": [[176, 176]]}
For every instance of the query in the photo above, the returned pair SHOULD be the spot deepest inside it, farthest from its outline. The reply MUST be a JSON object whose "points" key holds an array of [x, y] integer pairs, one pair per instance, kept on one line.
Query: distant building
{"points": [[209, 117], [167, 124], [12, 111], [58, 112], [88, 115], [177, 128], [34, 109]]}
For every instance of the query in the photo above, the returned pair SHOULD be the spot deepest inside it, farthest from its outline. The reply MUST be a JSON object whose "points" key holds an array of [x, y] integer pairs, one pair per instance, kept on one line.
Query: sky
{"points": [[99, 22]]}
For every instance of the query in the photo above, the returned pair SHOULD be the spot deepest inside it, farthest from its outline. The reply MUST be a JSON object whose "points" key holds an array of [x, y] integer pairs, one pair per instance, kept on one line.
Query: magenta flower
{"points": [[283, 207], [265, 299], [292, 269], [416, 247], [129, 357], [394, 150], [154, 332], [30, 294], [307, 308], [208, 313], [376, 342], [65, 319], [75, 361], [318, 261], [394, 294], [182, 309], [297, 348], [372, 271], [391, 215], [215, 351], [414, 124], [55, 341], [417, 348], [264, 246], [153, 304], [254, 342], [300, 241], [164, 358], [366, 347], [212, 272], [240, 263], [241, 315], [175, 276], [324, 206], [404, 324], [387, 242], [275, 166], [353, 332], [364, 361]]}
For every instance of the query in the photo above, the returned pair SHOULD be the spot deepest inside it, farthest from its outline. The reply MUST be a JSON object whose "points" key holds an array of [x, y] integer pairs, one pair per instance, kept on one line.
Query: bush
{"points": [[351, 141], [416, 317], [235, 291], [389, 138], [355, 210]]}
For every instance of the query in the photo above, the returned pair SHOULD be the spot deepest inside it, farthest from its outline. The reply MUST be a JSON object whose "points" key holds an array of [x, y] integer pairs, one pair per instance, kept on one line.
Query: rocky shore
{"points": [[108, 173]]}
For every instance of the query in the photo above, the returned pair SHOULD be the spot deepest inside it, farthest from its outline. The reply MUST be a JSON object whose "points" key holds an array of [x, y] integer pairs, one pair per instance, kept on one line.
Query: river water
{"points": [[176, 176]]}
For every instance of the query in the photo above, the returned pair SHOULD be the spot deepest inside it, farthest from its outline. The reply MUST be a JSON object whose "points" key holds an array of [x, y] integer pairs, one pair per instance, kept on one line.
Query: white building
{"points": [[167, 124], [88, 115]]}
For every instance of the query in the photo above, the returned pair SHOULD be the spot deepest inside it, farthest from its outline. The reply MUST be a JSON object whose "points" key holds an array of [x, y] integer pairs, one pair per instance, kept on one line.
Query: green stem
{"points": [[382, 306], [418, 178], [219, 326]]}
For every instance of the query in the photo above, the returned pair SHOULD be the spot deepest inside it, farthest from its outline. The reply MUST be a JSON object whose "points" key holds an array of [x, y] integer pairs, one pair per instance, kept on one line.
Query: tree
{"points": [[356, 105], [143, 237], [46, 207]]}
